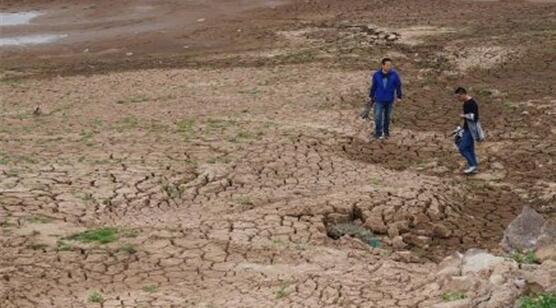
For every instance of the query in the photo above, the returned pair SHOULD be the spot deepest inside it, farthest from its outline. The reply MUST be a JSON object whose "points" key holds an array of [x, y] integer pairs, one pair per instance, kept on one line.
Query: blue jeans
{"points": [[382, 118], [467, 148]]}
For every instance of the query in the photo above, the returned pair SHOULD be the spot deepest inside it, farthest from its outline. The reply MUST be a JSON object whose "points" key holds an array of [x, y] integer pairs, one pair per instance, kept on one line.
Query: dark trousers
{"points": [[383, 110], [467, 148]]}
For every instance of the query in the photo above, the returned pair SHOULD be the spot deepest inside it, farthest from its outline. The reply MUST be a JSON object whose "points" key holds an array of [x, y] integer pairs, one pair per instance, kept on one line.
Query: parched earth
{"points": [[227, 168]]}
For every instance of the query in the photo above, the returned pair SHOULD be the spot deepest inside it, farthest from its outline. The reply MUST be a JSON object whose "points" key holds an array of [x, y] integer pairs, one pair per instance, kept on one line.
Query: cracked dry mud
{"points": [[223, 180]]}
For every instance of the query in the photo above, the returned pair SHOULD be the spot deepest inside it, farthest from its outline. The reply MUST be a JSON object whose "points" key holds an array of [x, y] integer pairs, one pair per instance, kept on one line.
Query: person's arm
{"points": [[469, 116], [470, 111], [372, 92], [399, 87]]}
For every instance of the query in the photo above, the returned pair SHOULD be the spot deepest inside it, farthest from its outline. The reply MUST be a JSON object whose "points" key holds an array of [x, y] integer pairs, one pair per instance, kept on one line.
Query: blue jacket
{"points": [[385, 94]]}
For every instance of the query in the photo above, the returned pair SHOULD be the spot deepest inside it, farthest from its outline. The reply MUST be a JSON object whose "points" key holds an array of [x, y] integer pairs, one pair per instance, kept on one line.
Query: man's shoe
{"points": [[381, 137], [470, 170]]}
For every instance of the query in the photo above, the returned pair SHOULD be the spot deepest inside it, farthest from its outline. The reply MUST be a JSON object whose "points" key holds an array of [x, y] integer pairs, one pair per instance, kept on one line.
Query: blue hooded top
{"points": [[384, 86]]}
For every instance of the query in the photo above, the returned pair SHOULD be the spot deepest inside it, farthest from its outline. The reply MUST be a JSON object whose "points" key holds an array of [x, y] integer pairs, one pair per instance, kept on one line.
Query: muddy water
{"points": [[106, 25], [13, 19], [23, 18], [30, 39]]}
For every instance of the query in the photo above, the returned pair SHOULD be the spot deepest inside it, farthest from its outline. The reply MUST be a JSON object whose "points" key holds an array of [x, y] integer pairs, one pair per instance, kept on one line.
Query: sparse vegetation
{"points": [[282, 292], [157, 126], [453, 296], [524, 257], [171, 191], [218, 123], [97, 123], [6, 223], [544, 300], [37, 246], [62, 245], [186, 127], [129, 248], [243, 136], [375, 182], [509, 106], [3, 159], [86, 136], [129, 233], [38, 220], [133, 99], [150, 288], [85, 197], [101, 236], [244, 200], [95, 297], [336, 231], [129, 122]]}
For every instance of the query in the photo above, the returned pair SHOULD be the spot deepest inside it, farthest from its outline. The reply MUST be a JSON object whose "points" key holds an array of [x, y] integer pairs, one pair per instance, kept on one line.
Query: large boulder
{"points": [[477, 260], [542, 279], [523, 231], [450, 266], [546, 242], [462, 303], [489, 281]]}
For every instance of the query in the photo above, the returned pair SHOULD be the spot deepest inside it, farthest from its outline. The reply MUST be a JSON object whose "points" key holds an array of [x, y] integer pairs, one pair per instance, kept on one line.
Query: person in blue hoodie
{"points": [[386, 88]]}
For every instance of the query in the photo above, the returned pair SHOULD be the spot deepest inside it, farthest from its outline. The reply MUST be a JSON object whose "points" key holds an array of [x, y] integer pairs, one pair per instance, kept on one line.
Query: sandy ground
{"points": [[221, 139]]}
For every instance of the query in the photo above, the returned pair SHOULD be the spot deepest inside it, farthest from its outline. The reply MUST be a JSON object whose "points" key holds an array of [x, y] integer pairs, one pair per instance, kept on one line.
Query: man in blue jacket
{"points": [[386, 87]]}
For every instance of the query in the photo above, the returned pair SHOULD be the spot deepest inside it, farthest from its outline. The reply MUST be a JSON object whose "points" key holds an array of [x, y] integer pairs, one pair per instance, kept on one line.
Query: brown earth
{"points": [[225, 165]]}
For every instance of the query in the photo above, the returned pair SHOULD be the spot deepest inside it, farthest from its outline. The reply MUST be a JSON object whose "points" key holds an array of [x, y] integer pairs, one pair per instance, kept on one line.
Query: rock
{"points": [[546, 253], [462, 303], [372, 27], [519, 282], [404, 256], [201, 20], [494, 93], [391, 37], [503, 296], [451, 265], [546, 242], [420, 241], [398, 243], [402, 226], [543, 279], [376, 224], [441, 231], [393, 231], [523, 231], [337, 218], [497, 279], [497, 166], [529, 267], [476, 260], [419, 219], [129, 54], [463, 283]]}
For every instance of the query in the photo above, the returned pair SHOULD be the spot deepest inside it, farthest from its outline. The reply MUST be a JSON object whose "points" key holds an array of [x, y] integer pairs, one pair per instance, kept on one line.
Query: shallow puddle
{"points": [[31, 39], [13, 19]]}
